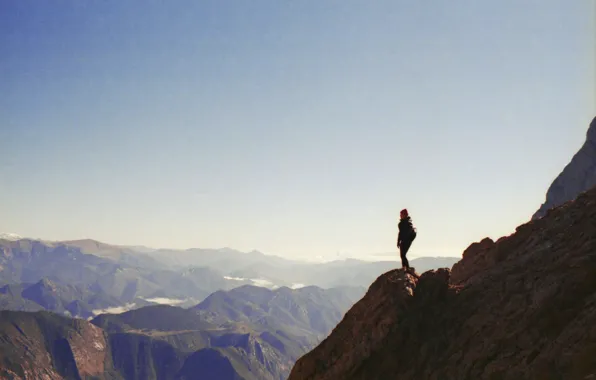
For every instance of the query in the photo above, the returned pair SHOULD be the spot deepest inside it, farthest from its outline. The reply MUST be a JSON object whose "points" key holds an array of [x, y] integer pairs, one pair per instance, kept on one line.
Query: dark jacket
{"points": [[407, 232]]}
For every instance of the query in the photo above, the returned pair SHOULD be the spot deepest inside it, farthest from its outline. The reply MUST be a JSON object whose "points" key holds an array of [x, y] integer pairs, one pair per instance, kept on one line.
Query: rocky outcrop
{"points": [[578, 176], [365, 328], [523, 307]]}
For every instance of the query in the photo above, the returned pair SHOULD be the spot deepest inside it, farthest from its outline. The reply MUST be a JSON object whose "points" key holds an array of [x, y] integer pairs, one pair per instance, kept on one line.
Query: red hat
{"points": [[403, 213]]}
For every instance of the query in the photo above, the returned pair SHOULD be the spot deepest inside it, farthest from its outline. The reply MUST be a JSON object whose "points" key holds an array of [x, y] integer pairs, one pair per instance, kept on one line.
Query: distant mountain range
{"points": [[276, 271], [121, 277], [96, 277]]}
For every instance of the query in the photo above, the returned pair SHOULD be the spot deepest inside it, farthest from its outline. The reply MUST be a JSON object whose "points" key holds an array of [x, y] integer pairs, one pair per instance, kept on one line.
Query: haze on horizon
{"points": [[294, 128]]}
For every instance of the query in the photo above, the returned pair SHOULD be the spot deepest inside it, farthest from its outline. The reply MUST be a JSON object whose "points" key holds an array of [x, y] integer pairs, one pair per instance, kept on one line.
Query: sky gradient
{"points": [[298, 128]]}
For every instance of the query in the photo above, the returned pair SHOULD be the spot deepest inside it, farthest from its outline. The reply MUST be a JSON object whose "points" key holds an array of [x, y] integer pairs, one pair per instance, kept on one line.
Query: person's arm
{"points": [[399, 236]]}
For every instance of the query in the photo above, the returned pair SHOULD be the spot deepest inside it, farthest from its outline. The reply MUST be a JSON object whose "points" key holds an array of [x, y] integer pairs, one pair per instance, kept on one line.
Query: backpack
{"points": [[411, 230]]}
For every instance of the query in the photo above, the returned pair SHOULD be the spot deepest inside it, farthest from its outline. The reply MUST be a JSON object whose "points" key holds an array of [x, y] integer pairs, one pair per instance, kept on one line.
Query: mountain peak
{"points": [[47, 283], [578, 176], [591, 135], [363, 329], [43, 286], [87, 244], [10, 236]]}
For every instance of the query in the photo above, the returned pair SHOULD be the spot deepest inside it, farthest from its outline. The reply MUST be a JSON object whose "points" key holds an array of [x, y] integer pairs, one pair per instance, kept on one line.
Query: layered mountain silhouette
{"points": [[89, 277], [49, 295], [277, 271], [578, 176], [523, 307], [261, 339], [118, 280], [125, 255]]}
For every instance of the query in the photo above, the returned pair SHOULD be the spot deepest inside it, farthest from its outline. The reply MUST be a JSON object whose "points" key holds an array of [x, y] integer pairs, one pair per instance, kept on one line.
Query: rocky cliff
{"points": [[47, 346], [578, 176], [523, 307]]}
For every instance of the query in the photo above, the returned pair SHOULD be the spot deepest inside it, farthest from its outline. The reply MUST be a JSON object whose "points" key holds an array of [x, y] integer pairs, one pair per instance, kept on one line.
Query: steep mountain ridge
{"points": [[577, 176], [523, 307]]}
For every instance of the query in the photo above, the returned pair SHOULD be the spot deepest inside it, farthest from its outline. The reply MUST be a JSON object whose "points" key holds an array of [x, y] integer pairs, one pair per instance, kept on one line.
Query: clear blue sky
{"points": [[298, 128]]}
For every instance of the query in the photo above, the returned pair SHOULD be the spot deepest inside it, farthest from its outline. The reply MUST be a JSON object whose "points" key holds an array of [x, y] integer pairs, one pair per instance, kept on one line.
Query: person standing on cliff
{"points": [[405, 237]]}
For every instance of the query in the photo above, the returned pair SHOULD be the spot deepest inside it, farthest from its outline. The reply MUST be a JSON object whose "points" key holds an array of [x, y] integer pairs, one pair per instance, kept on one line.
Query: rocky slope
{"points": [[578, 176], [523, 307]]}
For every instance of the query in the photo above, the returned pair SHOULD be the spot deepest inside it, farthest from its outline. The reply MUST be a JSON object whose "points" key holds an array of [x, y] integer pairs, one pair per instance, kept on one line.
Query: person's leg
{"points": [[403, 257], [403, 250]]}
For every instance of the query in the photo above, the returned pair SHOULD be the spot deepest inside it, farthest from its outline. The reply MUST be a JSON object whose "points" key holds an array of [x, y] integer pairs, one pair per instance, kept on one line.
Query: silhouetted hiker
{"points": [[405, 237]]}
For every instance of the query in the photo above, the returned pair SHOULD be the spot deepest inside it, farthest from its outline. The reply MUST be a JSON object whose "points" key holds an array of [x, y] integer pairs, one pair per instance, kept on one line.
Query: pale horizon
{"points": [[324, 258], [295, 129]]}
